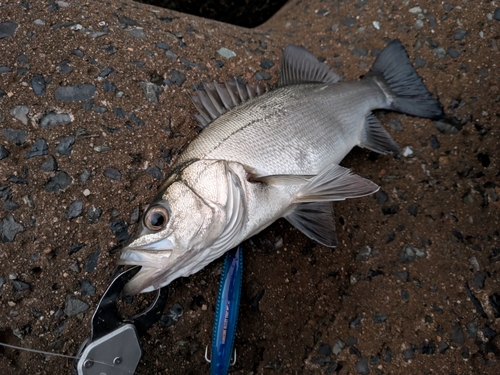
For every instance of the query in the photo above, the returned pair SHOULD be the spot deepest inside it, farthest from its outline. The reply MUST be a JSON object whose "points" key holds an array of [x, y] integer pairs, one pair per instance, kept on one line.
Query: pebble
{"points": [[112, 173], [494, 300], [407, 151], [87, 288], [155, 172], [418, 24], [338, 346], [439, 52], [457, 336], [77, 93], [362, 366], [379, 318], [109, 48], [163, 45], [262, 76], [53, 118], [171, 55], [348, 21], [152, 91], [266, 64], [324, 349], [442, 346], [84, 176], [9, 228], [227, 53], [434, 142], [93, 213], [446, 128], [120, 113], [415, 10], [106, 72], [38, 84], [75, 209], [496, 14], [119, 229], [7, 29], [172, 317], [395, 125], [376, 25], [484, 159], [409, 253], [137, 32], [65, 145], [177, 77], [20, 112], [453, 53], [16, 136], [412, 209], [59, 182], [479, 279], [460, 34], [19, 285], [136, 119], [408, 354], [99, 110], [5, 69], [40, 148], [74, 306], [109, 87], [64, 67], [428, 347], [134, 216], [3, 152], [91, 262]]}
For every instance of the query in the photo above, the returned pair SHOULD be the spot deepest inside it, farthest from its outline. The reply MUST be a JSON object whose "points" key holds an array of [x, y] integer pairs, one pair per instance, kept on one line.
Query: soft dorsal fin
{"points": [[300, 66], [215, 99]]}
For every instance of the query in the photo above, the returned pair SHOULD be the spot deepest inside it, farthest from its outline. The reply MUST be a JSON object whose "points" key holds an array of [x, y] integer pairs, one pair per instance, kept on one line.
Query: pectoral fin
{"points": [[316, 221], [335, 183]]}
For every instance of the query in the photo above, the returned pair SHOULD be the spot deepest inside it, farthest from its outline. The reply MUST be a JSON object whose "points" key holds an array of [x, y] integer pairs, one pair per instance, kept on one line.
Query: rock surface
{"points": [[423, 298]]}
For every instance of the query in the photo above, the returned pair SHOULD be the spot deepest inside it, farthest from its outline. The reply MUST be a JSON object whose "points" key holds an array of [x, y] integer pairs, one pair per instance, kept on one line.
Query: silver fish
{"points": [[269, 155]]}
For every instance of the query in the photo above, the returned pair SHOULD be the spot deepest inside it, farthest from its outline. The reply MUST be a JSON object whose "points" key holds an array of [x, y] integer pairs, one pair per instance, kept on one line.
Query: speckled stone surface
{"points": [[94, 108]]}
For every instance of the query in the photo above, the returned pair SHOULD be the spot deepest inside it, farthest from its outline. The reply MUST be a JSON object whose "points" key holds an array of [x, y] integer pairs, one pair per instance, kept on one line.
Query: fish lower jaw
{"points": [[149, 259]]}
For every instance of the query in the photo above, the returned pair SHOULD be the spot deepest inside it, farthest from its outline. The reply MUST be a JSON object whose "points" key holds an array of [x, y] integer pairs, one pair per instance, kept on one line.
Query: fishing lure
{"points": [[226, 313]]}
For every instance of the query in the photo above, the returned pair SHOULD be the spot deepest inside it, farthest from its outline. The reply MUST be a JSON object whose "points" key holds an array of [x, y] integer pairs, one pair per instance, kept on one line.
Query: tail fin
{"points": [[394, 71]]}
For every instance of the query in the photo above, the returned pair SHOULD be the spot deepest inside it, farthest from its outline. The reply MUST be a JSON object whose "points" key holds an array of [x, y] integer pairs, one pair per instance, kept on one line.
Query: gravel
{"points": [[153, 91], [75, 209], [3, 152], [40, 148], [77, 93], [16, 136], [7, 29], [49, 165], [38, 84], [112, 173], [59, 182], [74, 306], [20, 112], [53, 118], [10, 228]]}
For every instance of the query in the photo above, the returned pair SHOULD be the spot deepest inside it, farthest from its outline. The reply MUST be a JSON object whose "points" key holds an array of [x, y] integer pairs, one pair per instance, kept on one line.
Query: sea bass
{"points": [[270, 155]]}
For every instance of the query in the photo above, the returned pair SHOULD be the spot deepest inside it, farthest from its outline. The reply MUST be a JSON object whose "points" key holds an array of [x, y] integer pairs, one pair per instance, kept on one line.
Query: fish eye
{"points": [[156, 218]]}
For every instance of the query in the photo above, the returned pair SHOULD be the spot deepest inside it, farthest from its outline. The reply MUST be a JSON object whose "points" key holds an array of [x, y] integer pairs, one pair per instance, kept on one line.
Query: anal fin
{"points": [[316, 221], [335, 183], [376, 138]]}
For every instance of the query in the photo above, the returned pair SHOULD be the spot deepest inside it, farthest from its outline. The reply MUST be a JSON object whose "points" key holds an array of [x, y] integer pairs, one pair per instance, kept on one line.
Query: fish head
{"points": [[176, 234]]}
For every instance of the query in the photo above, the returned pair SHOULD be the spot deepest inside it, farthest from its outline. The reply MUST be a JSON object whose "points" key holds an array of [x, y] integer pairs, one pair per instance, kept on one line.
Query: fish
{"points": [[264, 155]]}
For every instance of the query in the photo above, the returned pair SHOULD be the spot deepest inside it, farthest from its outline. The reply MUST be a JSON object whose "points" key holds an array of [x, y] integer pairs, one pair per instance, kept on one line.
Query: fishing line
{"points": [[58, 355]]}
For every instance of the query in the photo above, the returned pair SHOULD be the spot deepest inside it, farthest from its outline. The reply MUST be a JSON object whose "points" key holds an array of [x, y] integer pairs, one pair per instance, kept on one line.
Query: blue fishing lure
{"points": [[226, 313]]}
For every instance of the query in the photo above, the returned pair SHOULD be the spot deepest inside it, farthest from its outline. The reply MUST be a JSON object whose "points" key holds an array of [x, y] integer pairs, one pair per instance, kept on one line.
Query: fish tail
{"points": [[402, 85]]}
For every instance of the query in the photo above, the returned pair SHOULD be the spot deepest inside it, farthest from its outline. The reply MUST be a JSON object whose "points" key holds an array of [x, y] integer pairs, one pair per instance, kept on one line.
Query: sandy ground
{"points": [[412, 288]]}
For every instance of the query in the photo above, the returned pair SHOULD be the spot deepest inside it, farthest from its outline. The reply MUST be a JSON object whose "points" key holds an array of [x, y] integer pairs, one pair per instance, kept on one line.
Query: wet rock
{"points": [[19, 285], [75, 209], [362, 366], [408, 355], [262, 76], [7, 29], [75, 248], [479, 279], [177, 77], [59, 182], [38, 84], [9, 228], [94, 214], [49, 165], [379, 318], [87, 288], [457, 335], [109, 87], [324, 349], [494, 300], [112, 173], [119, 229], [40, 148], [65, 145], [409, 254], [91, 262], [226, 53], [74, 306], [137, 32], [428, 347], [266, 64], [172, 317], [120, 113], [3, 152], [16, 136], [434, 142], [152, 91], [76, 93], [20, 112], [53, 118], [155, 172]]}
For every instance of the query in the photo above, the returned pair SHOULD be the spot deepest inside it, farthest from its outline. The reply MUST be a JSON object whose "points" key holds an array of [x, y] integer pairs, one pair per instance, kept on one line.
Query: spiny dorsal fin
{"points": [[300, 66], [215, 99]]}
